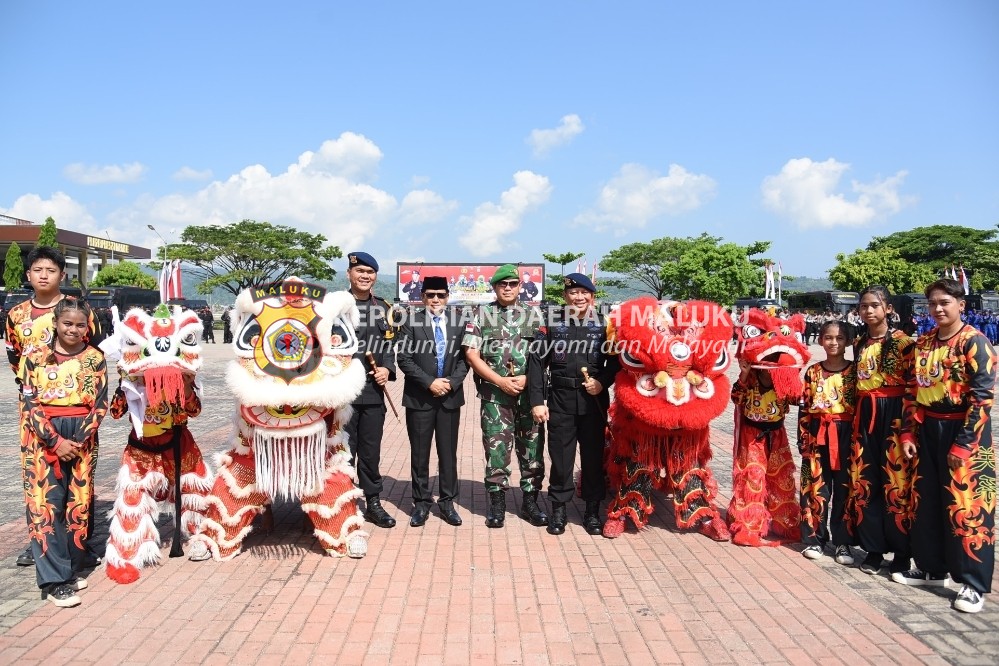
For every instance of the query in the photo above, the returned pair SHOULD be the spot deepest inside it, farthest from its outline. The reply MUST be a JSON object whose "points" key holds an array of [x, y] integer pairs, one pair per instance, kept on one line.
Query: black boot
{"points": [[497, 509], [376, 515], [557, 524], [26, 559], [530, 511], [591, 519]]}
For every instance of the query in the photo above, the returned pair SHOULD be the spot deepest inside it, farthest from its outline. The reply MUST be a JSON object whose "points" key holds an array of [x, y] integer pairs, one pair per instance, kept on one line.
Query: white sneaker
{"points": [[844, 555], [968, 600], [357, 547], [198, 552], [812, 552]]}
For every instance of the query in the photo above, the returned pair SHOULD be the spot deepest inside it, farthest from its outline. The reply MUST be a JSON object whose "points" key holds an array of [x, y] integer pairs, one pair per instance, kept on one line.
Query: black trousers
{"points": [[440, 425], [364, 432], [564, 430], [954, 521]]}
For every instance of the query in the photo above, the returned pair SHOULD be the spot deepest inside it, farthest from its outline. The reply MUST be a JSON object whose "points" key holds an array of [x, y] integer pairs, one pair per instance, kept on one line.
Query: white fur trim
{"points": [[327, 512], [350, 527], [329, 391]]}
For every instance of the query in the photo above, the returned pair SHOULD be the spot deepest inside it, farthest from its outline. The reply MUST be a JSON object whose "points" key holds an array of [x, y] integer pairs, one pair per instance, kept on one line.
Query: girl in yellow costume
{"points": [[63, 400], [879, 515], [825, 426]]}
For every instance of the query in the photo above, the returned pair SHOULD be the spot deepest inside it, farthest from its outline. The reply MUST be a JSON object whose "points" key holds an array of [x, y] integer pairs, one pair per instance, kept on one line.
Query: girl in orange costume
{"points": [[63, 401]]}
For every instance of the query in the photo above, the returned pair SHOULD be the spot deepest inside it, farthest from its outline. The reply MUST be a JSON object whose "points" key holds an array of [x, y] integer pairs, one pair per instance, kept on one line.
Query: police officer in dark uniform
{"points": [[577, 400], [375, 335]]}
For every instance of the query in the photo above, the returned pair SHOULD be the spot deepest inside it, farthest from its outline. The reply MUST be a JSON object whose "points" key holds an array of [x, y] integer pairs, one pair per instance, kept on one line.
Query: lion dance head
{"points": [[294, 379], [775, 346], [673, 361], [159, 349]]}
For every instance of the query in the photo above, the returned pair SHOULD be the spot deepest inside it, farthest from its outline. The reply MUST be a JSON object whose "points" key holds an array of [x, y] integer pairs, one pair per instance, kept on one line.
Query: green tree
{"points": [[239, 255], [700, 267], [942, 245], [13, 272], [863, 268], [47, 234], [124, 274], [553, 288]]}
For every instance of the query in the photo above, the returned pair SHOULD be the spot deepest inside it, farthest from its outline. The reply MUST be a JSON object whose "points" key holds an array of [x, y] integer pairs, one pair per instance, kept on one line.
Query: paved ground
{"points": [[471, 595]]}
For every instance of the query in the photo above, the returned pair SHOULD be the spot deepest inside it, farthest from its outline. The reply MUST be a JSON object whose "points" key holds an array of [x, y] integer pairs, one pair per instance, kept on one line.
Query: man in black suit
{"points": [[430, 356]]}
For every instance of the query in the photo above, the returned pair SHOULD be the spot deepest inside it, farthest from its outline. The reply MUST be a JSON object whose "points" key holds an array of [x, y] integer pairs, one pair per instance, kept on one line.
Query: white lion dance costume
{"points": [[294, 380], [159, 356]]}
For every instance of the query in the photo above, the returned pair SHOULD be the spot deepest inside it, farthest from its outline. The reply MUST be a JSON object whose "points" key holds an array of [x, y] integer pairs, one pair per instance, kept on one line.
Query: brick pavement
{"points": [[470, 594]]}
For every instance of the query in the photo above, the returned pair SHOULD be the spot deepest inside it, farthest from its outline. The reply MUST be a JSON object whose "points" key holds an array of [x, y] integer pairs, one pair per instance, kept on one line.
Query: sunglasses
{"points": [[508, 284], [435, 294]]}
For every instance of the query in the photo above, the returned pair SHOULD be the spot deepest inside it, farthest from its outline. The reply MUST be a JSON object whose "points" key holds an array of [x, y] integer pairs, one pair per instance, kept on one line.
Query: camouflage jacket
{"points": [[502, 336]]}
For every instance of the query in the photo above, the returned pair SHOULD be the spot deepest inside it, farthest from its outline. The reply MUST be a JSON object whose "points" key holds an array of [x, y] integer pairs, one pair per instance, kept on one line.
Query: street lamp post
{"points": [[162, 240], [106, 233]]}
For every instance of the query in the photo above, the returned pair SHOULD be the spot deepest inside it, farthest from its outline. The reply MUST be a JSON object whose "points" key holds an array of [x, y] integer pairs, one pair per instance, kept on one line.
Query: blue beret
{"points": [[573, 280], [361, 259]]}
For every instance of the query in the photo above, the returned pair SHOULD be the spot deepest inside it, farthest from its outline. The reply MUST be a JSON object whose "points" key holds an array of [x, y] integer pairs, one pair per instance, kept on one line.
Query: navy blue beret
{"points": [[573, 280], [362, 259]]}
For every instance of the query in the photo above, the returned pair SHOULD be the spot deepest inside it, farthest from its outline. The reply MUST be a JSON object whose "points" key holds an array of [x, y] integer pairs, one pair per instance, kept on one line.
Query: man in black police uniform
{"points": [[366, 425], [528, 290], [431, 358], [577, 406]]}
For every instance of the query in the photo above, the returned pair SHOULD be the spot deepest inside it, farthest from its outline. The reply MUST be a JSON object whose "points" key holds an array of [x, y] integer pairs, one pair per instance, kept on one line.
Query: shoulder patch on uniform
{"points": [[470, 327]]}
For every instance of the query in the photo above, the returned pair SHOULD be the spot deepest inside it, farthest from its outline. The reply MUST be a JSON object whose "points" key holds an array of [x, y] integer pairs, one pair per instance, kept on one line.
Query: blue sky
{"points": [[483, 132]]}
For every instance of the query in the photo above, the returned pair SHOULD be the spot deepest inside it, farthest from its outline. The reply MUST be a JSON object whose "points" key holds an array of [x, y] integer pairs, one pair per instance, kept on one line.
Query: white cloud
{"points": [[322, 192], [189, 173], [67, 213], [805, 192], [638, 194], [424, 206], [95, 174], [351, 156], [543, 141], [492, 225]]}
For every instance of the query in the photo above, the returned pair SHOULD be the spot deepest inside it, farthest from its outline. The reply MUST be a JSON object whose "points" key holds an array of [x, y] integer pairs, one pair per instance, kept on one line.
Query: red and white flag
{"points": [[593, 276], [176, 289], [964, 281]]}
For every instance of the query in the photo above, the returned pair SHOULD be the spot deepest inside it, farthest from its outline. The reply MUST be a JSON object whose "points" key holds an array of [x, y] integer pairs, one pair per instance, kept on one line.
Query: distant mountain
{"points": [[800, 284]]}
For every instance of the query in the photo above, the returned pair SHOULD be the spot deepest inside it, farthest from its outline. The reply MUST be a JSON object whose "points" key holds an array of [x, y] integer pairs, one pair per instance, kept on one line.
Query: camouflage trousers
{"points": [[509, 427]]}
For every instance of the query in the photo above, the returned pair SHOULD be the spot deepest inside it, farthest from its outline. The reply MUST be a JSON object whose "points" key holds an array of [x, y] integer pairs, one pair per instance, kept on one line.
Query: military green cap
{"points": [[504, 272]]}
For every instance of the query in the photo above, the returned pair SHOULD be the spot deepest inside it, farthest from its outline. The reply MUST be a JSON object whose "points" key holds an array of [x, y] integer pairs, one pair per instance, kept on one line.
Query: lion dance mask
{"points": [[294, 380], [671, 385], [764, 496], [162, 468]]}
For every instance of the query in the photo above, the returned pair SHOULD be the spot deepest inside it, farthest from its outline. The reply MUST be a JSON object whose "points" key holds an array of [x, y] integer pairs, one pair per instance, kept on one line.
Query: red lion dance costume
{"points": [[294, 381], [159, 356], [671, 384], [764, 495]]}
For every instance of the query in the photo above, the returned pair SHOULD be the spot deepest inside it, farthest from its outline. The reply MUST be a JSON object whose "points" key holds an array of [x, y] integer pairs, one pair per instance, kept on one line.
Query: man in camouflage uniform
{"points": [[496, 347]]}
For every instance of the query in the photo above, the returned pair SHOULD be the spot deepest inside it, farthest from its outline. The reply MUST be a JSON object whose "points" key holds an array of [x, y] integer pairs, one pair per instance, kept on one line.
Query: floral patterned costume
{"points": [[948, 403]]}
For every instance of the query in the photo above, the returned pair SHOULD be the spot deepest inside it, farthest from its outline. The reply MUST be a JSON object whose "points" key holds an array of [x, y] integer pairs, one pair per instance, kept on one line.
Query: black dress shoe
{"points": [[450, 516], [419, 517], [376, 515], [26, 559]]}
